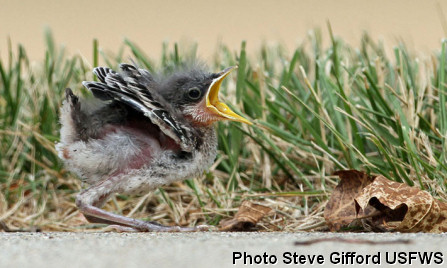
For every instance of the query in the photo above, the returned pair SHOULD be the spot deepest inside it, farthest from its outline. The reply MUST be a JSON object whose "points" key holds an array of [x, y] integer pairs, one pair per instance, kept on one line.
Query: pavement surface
{"points": [[213, 249]]}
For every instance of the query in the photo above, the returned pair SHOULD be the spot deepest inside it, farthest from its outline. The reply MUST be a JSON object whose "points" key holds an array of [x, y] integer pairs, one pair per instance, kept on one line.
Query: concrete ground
{"points": [[214, 249]]}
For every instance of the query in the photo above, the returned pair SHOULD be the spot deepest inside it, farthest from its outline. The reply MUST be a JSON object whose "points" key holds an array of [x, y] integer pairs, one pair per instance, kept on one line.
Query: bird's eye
{"points": [[194, 93]]}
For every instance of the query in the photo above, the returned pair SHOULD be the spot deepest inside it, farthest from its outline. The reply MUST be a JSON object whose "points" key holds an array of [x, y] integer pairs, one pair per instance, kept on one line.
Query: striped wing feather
{"points": [[132, 87]]}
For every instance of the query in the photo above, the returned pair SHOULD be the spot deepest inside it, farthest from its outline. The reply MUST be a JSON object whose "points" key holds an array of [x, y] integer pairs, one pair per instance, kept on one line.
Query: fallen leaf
{"points": [[383, 205], [409, 208], [340, 210], [248, 215]]}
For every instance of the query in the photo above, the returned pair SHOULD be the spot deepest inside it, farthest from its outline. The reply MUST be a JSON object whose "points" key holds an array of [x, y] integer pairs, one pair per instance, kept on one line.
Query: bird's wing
{"points": [[132, 87]]}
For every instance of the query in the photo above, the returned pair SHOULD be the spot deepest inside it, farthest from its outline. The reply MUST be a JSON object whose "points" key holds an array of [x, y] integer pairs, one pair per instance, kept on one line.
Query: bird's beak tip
{"points": [[215, 105]]}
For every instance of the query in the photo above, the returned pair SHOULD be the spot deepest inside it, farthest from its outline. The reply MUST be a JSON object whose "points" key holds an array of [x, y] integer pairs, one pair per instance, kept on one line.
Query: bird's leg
{"points": [[95, 195], [97, 215]]}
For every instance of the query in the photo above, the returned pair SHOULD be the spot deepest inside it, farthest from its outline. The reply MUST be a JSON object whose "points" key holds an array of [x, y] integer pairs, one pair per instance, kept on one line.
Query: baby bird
{"points": [[140, 133]]}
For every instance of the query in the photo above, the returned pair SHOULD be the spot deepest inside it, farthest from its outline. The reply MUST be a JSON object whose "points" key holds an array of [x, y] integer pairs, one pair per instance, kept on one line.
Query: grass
{"points": [[316, 109]]}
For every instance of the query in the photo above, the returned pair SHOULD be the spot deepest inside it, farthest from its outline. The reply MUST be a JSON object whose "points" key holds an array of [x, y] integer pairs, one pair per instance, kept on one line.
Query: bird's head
{"points": [[195, 94]]}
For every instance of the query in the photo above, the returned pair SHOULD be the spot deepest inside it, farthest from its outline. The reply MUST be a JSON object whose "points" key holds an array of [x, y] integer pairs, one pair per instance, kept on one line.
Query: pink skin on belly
{"points": [[151, 140]]}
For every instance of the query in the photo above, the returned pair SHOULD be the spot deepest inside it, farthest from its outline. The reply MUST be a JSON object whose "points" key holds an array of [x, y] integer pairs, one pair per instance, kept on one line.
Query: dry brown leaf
{"points": [[340, 210], [248, 215], [409, 208], [383, 204]]}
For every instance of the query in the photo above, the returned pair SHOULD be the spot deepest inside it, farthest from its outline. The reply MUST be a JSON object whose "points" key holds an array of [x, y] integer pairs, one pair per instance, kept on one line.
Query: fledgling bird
{"points": [[140, 133]]}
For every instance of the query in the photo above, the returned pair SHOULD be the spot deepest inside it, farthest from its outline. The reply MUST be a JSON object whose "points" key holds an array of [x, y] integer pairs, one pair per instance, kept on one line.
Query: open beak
{"points": [[220, 108]]}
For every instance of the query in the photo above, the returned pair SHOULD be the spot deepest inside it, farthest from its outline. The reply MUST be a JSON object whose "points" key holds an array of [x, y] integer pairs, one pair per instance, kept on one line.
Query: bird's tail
{"points": [[72, 98], [76, 114], [71, 118]]}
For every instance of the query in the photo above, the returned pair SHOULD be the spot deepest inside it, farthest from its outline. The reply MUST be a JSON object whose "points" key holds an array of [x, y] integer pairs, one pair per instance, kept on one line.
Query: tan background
{"points": [[149, 23]]}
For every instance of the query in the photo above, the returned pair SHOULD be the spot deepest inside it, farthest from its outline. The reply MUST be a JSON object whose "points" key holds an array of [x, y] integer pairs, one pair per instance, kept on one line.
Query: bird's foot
{"points": [[125, 224]]}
